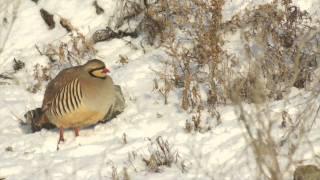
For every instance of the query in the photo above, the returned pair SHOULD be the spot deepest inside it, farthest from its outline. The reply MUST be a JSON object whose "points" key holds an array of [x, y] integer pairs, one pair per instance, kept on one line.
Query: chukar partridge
{"points": [[79, 97]]}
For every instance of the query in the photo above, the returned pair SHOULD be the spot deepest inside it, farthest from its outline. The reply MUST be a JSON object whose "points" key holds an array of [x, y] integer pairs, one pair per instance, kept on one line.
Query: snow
{"points": [[221, 153]]}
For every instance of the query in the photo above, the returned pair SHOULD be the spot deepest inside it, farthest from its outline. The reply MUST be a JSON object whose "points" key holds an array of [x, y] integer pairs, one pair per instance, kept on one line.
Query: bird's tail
{"points": [[38, 120]]}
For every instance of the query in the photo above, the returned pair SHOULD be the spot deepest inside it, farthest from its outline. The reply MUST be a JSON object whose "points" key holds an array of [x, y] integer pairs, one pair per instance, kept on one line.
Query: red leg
{"points": [[76, 131], [61, 138]]}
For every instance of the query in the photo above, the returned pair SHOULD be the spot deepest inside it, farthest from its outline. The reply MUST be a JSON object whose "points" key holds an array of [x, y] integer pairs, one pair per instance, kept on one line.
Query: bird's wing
{"points": [[60, 81]]}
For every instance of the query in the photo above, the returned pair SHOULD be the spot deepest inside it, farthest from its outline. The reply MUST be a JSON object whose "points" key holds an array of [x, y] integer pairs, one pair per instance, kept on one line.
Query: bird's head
{"points": [[96, 68]]}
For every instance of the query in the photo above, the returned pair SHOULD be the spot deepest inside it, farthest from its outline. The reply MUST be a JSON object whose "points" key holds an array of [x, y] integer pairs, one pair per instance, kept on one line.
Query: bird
{"points": [[78, 97]]}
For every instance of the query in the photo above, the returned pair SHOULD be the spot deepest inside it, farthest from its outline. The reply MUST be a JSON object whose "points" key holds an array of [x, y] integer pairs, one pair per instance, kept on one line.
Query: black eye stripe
{"points": [[95, 69], [91, 72]]}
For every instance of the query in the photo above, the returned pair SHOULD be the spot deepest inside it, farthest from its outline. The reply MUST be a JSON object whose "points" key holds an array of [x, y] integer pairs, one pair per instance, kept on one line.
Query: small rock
{"points": [[9, 149], [103, 35], [66, 24], [18, 65], [99, 9], [108, 33], [48, 18]]}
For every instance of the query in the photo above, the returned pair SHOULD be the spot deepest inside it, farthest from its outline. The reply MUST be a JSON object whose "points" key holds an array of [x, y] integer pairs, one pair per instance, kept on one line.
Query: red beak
{"points": [[105, 70]]}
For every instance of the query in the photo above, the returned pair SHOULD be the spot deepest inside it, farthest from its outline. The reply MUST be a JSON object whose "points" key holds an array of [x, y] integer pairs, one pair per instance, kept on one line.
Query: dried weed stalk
{"points": [[160, 154], [275, 38], [114, 174], [123, 59], [196, 59], [40, 74], [274, 35], [70, 52], [123, 175], [165, 85], [276, 142], [265, 149], [73, 50], [282, 50]]}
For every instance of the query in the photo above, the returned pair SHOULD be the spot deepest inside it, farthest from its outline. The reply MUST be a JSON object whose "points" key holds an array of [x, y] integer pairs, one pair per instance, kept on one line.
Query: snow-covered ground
{"points": [[221, 153]]}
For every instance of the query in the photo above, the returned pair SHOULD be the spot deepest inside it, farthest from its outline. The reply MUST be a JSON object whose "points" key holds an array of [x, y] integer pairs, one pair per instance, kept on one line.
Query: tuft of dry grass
{"points": [[123, 59], [166, 84], [277, 43], [114, 175], [278, 29], [125, 174], [72, 50], [40, 74], [122, 176], [160, 154], [281, 48]]}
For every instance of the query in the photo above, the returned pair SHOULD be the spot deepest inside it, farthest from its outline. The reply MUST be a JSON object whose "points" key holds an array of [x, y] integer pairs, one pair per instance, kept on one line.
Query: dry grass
{"points": [[71, 51], [279, 30], [41, 74], [165, 85], [197, 122], [281, 48], [160, 154], [282, 54], [123, 59], [123, 175]]}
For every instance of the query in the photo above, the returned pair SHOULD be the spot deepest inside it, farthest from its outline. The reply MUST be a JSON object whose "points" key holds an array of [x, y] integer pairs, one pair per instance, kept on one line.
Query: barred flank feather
{"points": [[67, 100]]}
